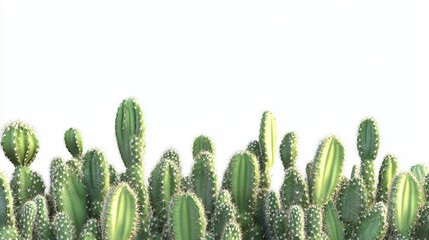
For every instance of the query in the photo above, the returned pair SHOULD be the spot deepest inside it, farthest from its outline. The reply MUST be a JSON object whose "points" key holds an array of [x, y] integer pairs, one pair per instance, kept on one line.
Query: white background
{"points": [[213, 68]]}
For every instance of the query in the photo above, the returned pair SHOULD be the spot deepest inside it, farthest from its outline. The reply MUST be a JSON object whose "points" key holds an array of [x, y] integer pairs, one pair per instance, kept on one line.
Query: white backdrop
{"points": [[213, 68]]}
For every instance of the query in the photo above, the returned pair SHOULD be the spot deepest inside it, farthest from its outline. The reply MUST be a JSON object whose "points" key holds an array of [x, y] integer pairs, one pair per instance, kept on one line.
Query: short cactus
{"points": [[202, 144], [231, 232], [296, 223], [27, 217], [276, 219], [25, 185], [334, 227], [42, 226], [187, 220], [73, 141], [90, 230], [289, 150], [7, 216], [352, 200], [374, 224], [224, 213], [385, 177], [314, 223], [294, 190], [64, 227]]}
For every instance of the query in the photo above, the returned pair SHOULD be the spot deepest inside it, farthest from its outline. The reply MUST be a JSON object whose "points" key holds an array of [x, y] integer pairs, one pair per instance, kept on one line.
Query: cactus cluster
{"points": [[88, 199]]}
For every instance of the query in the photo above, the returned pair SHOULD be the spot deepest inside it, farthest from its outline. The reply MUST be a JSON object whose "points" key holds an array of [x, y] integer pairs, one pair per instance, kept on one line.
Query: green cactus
{"points": [[187, 220], [404, 204], [373, 226], [224, 212], [96, 180], [20, 144], [7, 216], [231, 232], [173, 155], [368, 141], [113, 176], [296, 223], [326, 170], [289, 150], [69, 193], [385, 177], [26, 219], [314, 223], [352, 200], [244, 182], [255, 148], [422, 230], [268, 140], [64, 227], [420, 171], [90, 230], [204, 180], [334, 227], [135, 178], [129, 129], [119, 217], [73, 141], [294, 190], [276, 219], [164, 183], [42, 225], [202, 144], [25, 185]]}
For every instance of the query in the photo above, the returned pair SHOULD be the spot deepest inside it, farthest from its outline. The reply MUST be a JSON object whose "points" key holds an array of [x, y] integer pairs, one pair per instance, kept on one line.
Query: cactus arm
{"points": [[27, 217], [90, 230], [296, 223], [231, 232], [73, 141], [294, 190], [289, 150], [113, 175], [63, 226], [314, 223], [172, 155], [224, 212], [276, 219], [268, 140], [202, 144], [42, 225], [7, 216], [374, 225], [120, 214], [352, 200], [328, 165], [422, 230], [25, 185], [385, 177], [334, 226]]}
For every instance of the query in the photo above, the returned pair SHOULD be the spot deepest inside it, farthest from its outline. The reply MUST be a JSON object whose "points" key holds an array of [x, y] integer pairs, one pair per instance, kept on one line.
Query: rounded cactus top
{"points": [[368, 139], [19, 143], [73, 141]]}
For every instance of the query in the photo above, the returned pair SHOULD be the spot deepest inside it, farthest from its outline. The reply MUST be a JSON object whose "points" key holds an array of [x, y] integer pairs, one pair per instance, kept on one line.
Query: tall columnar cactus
{"points": [[314, 223], [244, 182], [7, 216], [224, 213], [352, 201], [129, 129], [164, 183], [385, 177], [296, 223], [373, 226], [289, 150], [204, 180], [368, 141], [120, 214], [326, 170], [90, 230], [135, 178], [42, 225], [73, 141], [202, 144], [294, 190], [404, 204], [63, 227], [187, 220], [276, 219], [27, 216], [231, 232], [334, 227], [69, 193], [96, 180]]}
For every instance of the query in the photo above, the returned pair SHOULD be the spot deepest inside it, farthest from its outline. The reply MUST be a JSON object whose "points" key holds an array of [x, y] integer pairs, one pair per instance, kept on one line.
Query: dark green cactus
{"points": [[20, 144], [173, 155], [294, 190], [26, 219], [254, 148], [296, 223], [25, 185], [187, 220], [420, 171], [96, 180], [64, 227], [314, 223], [164, 183], [129, 129], [334, 227], [404, 204], [113, 176], [42, 225], [244, 182], [326, 170], [373, 226], [69, 193], [202, 144], [7, 216], [231, 232], [352, 200], [368, 141], [385, 177], [224, 212], [422, 229], [73, 141], [204, 180], [90, 230], [289, 150], [120, 214], [276, 219]]}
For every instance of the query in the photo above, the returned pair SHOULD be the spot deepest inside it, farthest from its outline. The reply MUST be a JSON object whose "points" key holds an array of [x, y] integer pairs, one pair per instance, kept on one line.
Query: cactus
{"points": [[7, 216], [294, 190], [326, 170], [96, 180], [276, 219], [73, 141], [296, 223], [268, 140], [352, 200], [129, 129], [27, 217], [20, 144], [187, 220], [172, 155], [385, 177], [231, 232], [90, 230], [164, 183], [368, 141], [135, 178], [289, 150], [69, 193], [404, 204], [244, 182], [334, 227], [422, 230], [420, 171], [42, 225], [25, 185], [113, 175], [119, 217], [314, 223], [255, 148], [373, 226], [204, 180], [224, 212], [64, 228], [202, 144]]}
